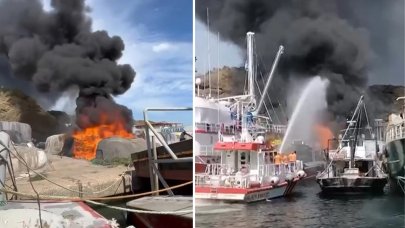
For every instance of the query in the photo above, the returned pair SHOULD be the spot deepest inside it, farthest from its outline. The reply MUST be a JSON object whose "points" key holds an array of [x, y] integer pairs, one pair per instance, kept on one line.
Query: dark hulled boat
{"points": [[394, 153], [354, 166]]}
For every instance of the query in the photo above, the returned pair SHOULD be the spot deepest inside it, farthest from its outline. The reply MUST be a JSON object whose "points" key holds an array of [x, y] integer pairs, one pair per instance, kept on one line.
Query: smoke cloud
{"points": [[47, 53], [326, 38]]}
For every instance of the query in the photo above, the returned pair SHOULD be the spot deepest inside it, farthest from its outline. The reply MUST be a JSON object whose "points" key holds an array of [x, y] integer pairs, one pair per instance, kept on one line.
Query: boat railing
{"points": [[217, 169], [267, 170], [395, 131], [271, 128], [222, 175], [215, 128], [276, 128], [155, 175], [206, 150]]}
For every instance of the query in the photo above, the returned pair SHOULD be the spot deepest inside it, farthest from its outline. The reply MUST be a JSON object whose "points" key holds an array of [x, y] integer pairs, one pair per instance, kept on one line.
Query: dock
{"points": [[79, 178]]}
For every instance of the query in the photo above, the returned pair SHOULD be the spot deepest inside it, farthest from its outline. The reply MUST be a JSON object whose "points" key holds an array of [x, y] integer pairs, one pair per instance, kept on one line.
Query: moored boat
{"points": [[354, 166], [394, 153], [155, 204]]}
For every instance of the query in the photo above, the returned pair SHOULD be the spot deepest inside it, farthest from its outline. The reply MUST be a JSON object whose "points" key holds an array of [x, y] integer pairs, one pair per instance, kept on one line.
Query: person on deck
{"points": [[292, 158], [285, 161], [277, 162]]}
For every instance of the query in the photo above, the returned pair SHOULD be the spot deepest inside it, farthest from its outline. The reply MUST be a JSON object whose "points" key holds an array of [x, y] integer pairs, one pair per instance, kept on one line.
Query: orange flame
{"points": [[86, 140], [324, 134]]}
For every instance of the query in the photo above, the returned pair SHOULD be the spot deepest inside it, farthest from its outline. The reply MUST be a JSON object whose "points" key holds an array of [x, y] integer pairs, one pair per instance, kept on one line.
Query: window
{"points": [[243, 158]]}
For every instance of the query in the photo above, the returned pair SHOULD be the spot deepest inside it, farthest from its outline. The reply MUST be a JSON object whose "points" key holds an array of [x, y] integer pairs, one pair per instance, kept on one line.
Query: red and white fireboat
{"points": [[246, 168], [247, 173]]}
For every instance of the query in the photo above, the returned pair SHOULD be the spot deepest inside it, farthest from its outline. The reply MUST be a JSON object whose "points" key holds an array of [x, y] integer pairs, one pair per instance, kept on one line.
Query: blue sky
{"points": [[229, 54], [158, 45]]}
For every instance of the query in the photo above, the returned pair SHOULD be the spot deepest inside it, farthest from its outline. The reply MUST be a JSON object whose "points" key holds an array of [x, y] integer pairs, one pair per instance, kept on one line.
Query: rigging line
{"points": [[64, 198], [268, 96], [12, 174], [368, 123], [260, 92], [360, 119], [21, 159], [271, 103], [30, 181]]}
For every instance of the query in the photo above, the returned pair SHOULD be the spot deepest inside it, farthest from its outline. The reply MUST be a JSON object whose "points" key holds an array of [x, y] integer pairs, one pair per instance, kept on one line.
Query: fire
{"points": [[86, 140], [324, 134]]}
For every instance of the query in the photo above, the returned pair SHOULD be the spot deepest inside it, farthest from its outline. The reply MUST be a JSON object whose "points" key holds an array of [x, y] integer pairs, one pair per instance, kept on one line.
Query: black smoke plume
{"points": [[45, 53], [334, 39]]}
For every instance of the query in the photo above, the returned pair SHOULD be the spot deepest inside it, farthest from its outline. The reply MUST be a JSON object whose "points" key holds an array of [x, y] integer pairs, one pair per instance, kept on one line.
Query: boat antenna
{"points": [[209, 57], [218, 77]]}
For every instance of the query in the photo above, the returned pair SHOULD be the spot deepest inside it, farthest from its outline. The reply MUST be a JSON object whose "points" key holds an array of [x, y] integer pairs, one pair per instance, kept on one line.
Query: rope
{"points": [[47, 197], [271, 102], [30, 181], [400, 182], [267, 94], [140, 211], [265, 106], [368, 123], [119, 179]]}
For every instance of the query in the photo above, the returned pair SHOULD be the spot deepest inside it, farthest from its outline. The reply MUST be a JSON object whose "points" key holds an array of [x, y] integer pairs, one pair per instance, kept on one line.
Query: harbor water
{"points": [[306, 207]]}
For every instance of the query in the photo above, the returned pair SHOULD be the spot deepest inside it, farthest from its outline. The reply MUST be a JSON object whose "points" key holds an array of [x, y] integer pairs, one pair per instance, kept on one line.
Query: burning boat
{"points": [[245, 168], [354, 167]]}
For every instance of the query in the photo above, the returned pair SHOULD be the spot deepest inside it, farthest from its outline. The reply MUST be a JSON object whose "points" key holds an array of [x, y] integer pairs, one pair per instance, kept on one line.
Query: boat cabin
{"points": [[251, 163], [364, 158]]}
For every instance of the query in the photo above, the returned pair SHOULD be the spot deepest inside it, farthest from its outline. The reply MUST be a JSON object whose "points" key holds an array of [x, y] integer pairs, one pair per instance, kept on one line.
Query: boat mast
{"points": [[250, 64], [354, 115], [266, 87], [353, 146], [251, 102]]}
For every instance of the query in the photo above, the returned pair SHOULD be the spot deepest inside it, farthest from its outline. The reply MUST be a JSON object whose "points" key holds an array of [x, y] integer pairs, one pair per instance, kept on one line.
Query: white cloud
{"points": [[163, 47]]}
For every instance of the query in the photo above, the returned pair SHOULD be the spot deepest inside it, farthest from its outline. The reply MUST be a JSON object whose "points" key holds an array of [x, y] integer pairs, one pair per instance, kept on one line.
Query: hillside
{"points": [[380, 98], [16, 106]]}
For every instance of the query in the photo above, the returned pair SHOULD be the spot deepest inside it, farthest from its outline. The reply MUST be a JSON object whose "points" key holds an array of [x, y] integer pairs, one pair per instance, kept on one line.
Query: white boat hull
{"points": [[245, 195]]}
